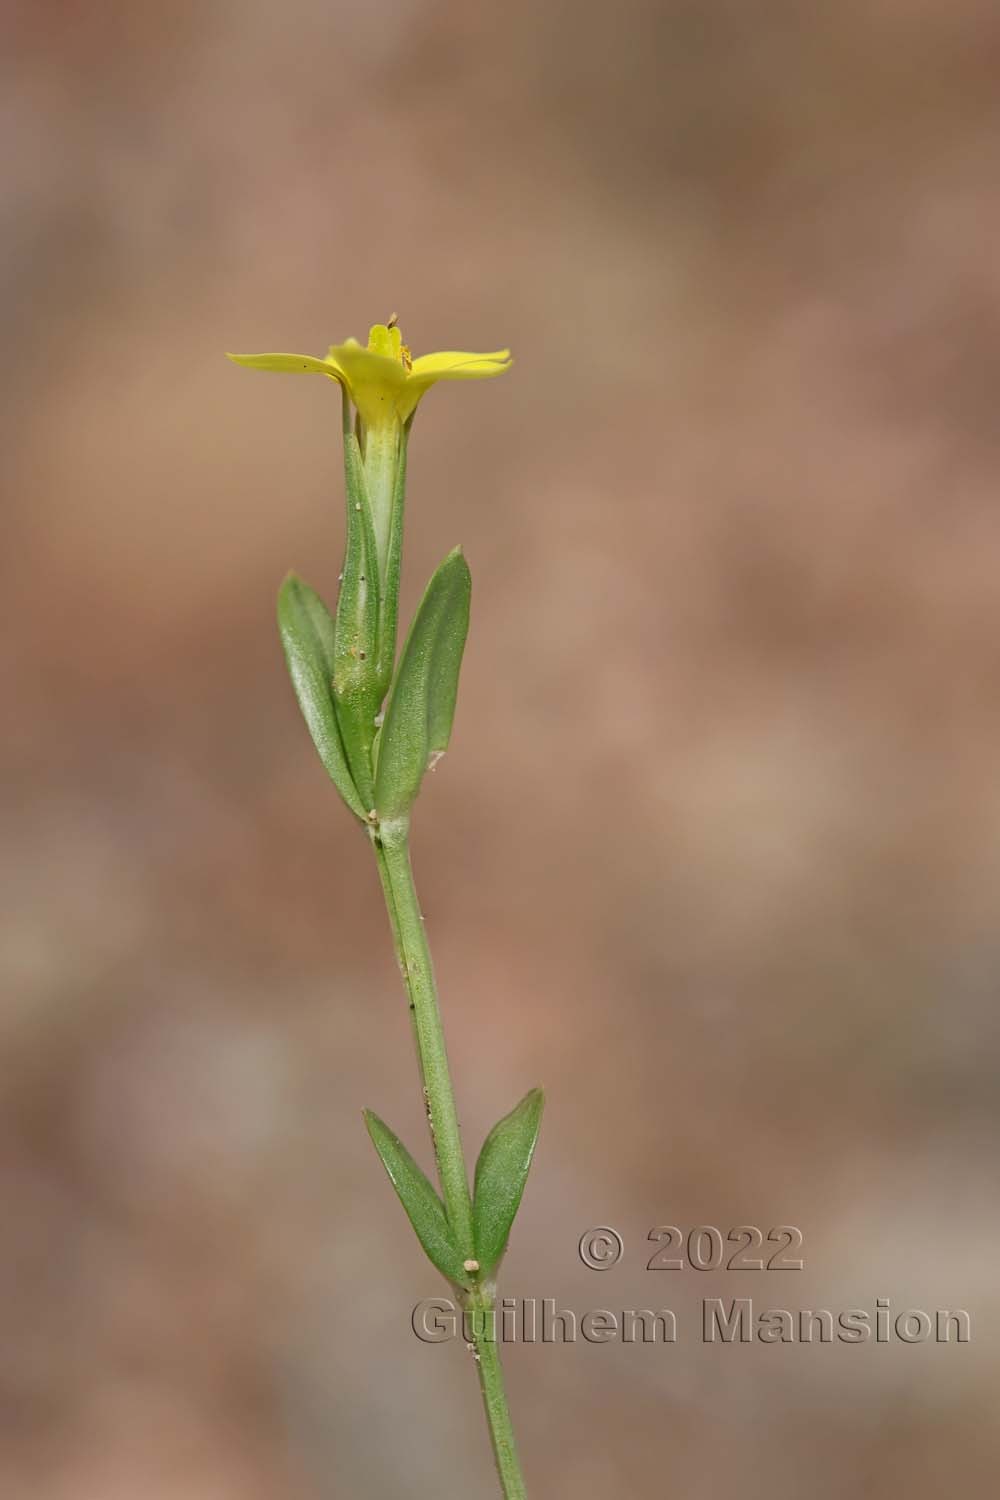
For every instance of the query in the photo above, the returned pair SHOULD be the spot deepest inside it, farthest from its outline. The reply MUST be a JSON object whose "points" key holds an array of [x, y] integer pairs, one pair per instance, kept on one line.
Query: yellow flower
{"points": [[385, 384], [383, 381]]}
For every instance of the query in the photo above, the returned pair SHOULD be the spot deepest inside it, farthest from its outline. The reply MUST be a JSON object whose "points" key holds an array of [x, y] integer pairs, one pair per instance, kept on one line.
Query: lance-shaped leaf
{"points": [[424, 1208], [421, 705], [501, 1172], [307, 636]]}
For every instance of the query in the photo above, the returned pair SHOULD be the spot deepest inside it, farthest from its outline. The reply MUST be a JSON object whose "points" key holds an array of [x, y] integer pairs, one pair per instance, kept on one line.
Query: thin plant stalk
{"points": [[418, 973], [413, 952], [486, 1352]]}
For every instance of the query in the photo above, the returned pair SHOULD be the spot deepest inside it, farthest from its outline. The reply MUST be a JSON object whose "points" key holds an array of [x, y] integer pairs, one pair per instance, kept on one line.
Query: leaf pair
{"points": [[501, 1173], [339, 707]]}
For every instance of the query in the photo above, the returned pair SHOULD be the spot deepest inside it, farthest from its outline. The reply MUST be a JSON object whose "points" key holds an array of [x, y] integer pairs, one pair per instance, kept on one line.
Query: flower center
{"points": [[387, 339]]}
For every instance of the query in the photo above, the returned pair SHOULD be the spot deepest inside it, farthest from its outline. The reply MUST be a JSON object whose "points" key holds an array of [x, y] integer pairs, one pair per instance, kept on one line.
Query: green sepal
{"points": [[421, 703], [424, 1208], [356, 689], [501, 1172], [389, 600], [307, 636]]}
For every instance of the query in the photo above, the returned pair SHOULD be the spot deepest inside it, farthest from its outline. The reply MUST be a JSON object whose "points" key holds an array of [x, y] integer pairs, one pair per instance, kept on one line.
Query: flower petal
{"points": [[292, 364], [455, 365], [451, 365]]}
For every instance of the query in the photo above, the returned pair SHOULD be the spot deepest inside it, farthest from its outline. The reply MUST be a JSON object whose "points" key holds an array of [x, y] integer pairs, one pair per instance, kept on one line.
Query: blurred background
{"points": [[715, 855]]}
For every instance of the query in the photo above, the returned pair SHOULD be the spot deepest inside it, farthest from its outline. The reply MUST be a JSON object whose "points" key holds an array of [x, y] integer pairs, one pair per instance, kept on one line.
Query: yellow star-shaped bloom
{"points": [[382, 380]]}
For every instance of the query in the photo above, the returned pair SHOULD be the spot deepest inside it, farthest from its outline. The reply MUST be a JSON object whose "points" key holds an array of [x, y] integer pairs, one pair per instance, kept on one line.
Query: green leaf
{"points": [[424, 1208], [421, 704], [501, 1172], [307, 636]]}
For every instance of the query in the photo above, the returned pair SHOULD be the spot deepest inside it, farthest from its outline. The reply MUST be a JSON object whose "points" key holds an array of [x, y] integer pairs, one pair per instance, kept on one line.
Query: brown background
{"points": [[716, 853]]}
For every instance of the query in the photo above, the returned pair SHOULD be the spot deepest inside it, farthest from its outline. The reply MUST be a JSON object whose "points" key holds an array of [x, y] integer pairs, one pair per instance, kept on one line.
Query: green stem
{"points": [[418, 974], [487, 1355], [397, 943], [410, 938]]}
